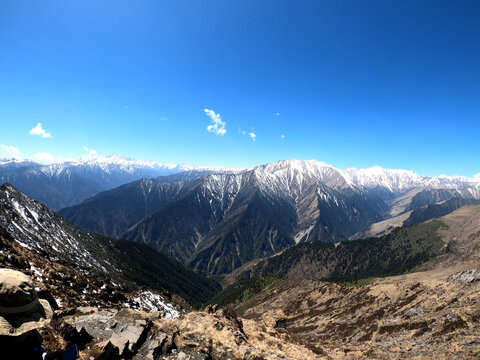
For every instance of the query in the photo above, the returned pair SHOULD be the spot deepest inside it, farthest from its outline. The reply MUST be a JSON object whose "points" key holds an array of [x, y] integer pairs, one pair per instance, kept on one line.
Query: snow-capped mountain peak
{"points": [[292, 176], [393, 180]]}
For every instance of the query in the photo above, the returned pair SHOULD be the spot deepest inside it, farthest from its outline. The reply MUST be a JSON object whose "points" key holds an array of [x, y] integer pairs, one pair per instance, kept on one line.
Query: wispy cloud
{"points": [[251, 134], [276, 114], [218, 126], [44, 157], [40, 131], [282, 136], [91, 152], [9, 150], [163, 118]]}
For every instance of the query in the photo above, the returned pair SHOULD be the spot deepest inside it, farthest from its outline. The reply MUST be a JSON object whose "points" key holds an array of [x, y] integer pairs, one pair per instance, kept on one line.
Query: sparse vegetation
{"points": [[349, 263]]}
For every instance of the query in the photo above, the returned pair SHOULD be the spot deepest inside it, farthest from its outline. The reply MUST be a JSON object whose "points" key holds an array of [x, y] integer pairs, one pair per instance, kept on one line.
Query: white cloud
{"points": [[218, 126], [45, 157], [11, 151], [40, 131], [276, 114], [91, 152], [282, 136], [251, 134]]}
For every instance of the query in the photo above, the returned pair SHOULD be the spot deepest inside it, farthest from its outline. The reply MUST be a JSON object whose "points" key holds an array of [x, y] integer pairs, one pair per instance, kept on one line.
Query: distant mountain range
{"points": [[68, 183], [217, 221]]}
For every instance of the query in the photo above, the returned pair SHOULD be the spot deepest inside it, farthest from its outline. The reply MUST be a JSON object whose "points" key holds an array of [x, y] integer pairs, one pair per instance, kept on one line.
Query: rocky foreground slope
{"points": [[131, 334], [423, 316]]}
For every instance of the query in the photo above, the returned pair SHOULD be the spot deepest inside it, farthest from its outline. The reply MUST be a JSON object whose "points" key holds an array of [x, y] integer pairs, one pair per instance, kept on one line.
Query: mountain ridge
{"points": [[67, 183], [35, 227], [209, 220]]}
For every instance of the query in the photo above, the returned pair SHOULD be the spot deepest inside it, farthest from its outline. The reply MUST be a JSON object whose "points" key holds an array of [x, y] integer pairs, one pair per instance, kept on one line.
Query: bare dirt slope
{"points": [[433, 313], [382, 227], [462, 235]]}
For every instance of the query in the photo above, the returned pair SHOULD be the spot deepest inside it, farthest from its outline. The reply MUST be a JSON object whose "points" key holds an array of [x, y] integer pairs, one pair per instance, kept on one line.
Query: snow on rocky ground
{"points": [[28, 221], [150, 301]]}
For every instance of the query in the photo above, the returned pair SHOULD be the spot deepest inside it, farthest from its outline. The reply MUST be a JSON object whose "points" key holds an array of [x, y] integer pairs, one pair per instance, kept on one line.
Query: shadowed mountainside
{"points": [[39, 229]]}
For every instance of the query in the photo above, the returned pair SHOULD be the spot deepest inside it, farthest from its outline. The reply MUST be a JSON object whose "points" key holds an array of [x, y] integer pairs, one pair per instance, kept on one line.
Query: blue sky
{"points": [[352, 83]]}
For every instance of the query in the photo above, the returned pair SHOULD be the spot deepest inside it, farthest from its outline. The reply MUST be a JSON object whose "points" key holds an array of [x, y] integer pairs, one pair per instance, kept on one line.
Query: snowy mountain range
{"points": [[70, 182], [217, 221], [67, 183], [393, 180]]}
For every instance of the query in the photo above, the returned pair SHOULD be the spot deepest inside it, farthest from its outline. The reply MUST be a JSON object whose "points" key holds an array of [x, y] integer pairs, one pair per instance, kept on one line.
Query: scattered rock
{"points": [[108, 352], [73, 336], [128, 338], [87, 310], [275, 319], [152, 346], [125, 330], [211, 309], [468, 276], [414, 311]]}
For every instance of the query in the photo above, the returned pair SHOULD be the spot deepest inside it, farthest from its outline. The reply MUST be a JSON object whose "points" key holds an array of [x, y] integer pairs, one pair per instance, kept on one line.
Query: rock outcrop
{"points": [[130, 334]]}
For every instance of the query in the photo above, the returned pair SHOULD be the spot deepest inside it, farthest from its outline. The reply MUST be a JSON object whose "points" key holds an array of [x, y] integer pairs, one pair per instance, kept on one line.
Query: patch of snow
{"points": [[150, 301], [59, 302], [20, 210], [34, 214], [36, 271]]}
